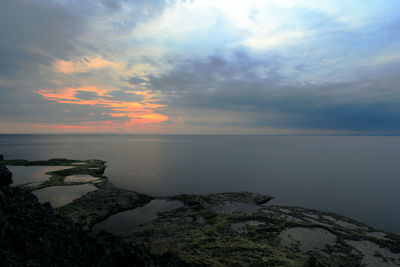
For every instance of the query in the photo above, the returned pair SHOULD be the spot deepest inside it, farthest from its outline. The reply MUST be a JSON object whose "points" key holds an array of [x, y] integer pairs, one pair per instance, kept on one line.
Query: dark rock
{"points": [[98, 205], [247, 197], [31, 234], [262, 199], [314, 262], [5, 180], [5, 174]]}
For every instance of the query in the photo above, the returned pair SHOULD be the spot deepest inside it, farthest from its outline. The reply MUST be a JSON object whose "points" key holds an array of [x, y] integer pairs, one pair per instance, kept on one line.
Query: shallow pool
{"points": [[32, 174], [128, 220], [61, 195]]}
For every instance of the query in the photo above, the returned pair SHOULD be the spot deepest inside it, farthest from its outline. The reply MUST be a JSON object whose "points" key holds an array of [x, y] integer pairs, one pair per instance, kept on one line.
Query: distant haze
{"points": [[200, 66]]}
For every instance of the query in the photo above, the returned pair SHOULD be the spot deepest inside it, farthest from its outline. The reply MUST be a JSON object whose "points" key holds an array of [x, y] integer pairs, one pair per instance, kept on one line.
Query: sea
{"points": [[354, 176]]}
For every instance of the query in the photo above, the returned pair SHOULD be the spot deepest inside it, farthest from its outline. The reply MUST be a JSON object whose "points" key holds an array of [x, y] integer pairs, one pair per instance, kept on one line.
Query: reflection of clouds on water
{"points": [[28, 174], [62, 195]]}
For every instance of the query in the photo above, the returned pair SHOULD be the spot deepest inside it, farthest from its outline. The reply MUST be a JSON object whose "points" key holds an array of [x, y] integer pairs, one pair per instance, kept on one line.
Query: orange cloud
{"points": [[137, 113], [83, 65], [70, 93]]}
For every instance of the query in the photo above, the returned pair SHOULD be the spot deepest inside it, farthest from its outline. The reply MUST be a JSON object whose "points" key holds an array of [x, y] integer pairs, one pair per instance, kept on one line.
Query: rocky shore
{"points": [[32, 234], [226, 229]]}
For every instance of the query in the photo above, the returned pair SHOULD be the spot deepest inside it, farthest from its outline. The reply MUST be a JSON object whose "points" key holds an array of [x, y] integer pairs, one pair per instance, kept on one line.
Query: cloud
{"points": [[83, 65], [112, 4], [33, 33], [386, 57], [200, 66], [237, 86], [259, 42], [131, 113]]}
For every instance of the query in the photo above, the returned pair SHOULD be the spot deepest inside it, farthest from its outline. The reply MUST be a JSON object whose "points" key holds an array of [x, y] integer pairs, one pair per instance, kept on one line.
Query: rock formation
{"points": [[5, 174], [32, 234], [5, 180]]}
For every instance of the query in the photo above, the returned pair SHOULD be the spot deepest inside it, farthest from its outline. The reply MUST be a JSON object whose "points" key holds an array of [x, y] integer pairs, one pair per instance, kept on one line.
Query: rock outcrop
{"points": [[5, 174], [32, 234], [5, 180]]}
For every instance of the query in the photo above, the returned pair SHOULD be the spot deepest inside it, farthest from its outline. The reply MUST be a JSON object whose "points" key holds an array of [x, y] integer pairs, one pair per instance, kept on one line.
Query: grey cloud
{"points": [[122, 95], [86, 95], [237, 86], [112, 4], [32, 34], [136, 80], [200, 75], [43, 28]]}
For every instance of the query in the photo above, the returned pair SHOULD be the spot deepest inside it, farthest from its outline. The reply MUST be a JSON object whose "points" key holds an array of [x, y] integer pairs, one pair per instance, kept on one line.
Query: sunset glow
{"points": [[171, 124], [136, 113], [82, 65], [201, 66]]}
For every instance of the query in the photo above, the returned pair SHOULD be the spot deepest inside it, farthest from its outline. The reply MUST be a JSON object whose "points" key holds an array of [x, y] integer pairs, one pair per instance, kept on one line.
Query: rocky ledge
{"points": [[225, 229]]}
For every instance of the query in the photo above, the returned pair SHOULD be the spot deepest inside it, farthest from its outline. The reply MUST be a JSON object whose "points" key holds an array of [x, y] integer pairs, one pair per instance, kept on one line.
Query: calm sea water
{"points": [[355, 176]]}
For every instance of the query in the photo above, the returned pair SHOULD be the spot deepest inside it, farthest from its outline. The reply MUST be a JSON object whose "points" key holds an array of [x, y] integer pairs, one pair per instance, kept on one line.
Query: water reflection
{"points": [[128, 220], [32, 174], [355, 176], [61, 195]]}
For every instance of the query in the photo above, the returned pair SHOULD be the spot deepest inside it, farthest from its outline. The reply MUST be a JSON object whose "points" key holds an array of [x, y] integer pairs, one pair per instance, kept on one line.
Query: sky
{"points": [[200, 66]]}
